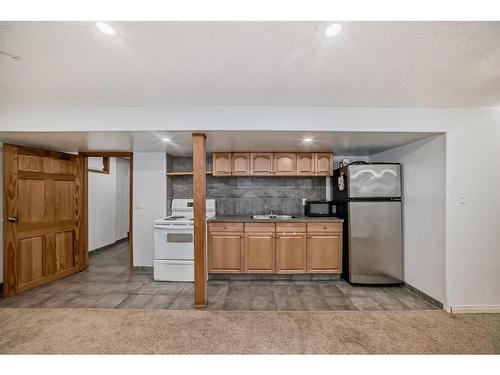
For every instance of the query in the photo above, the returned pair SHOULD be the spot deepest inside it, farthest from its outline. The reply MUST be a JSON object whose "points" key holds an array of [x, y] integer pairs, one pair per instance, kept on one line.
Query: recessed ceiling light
{"points": [[105, 28], [166, 139], [333, 29], [308, 139]]}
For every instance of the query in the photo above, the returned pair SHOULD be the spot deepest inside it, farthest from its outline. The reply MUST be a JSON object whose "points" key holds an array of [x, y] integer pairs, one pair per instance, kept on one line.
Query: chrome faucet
{"points": [[274, 213]]}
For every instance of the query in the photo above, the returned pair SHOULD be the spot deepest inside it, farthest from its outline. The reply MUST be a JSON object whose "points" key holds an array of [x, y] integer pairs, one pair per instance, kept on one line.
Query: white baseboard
{"points": [[475, 309]]}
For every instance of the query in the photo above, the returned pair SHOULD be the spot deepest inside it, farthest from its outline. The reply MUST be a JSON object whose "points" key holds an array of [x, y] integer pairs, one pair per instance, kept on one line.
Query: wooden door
{"points": [[284, 164], [305, 164], [221, 164], [225, 252], [324, 164], [324, 252], [291, 252], [44, 235], [259, 252], [240, 164], [261, 164]]}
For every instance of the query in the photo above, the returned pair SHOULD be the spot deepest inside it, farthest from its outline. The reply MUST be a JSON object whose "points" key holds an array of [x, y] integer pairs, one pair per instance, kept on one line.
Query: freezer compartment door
{"points": [[374, 181], [375, 243]]}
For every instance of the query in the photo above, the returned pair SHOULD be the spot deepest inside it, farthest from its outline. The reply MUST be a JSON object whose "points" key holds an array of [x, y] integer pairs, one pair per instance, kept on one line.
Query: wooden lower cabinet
{"points": [[256, 248], [291, 252], [259, 252], [225, 252], [324, 252]]}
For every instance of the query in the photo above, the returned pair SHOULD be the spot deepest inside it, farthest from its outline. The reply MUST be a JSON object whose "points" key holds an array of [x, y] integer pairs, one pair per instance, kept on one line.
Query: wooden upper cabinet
{"points": [[284, 164], [324, 164], [272, 164], [305, 164], [261, 164], [240, 164], [221, 163]]}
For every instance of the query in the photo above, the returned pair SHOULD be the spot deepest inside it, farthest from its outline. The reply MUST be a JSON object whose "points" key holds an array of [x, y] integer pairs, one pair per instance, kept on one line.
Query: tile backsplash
{"points": [[248, 195]]}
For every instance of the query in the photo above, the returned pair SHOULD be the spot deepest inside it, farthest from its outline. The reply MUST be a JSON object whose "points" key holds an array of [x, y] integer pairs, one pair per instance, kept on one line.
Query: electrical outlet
{"points": [[304, 200], [462, 198]]}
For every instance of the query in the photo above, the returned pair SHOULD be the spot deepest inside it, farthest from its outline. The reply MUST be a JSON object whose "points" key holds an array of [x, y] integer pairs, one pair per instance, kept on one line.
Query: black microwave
{"points": [[319, 208]]}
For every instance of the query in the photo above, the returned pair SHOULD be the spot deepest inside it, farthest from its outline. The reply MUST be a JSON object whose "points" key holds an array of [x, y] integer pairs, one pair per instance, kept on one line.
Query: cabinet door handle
{"points": [[241, 235], [324, 227], [12, 219], [308, 236], [277, 236]]}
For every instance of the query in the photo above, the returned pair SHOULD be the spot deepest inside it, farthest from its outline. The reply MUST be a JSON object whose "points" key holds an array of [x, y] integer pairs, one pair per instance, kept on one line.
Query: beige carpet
{"points": [[198, 332]]}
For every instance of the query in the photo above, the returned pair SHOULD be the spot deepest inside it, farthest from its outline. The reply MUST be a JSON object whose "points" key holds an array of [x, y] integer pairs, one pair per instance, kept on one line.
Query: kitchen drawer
{"points": [[290, 227], [259, 227], [324, 227], [225, 227]]}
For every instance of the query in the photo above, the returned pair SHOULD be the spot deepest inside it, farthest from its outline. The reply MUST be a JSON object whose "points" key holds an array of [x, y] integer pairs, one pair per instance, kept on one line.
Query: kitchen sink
{"points": [[277, 217], [261, 217]]}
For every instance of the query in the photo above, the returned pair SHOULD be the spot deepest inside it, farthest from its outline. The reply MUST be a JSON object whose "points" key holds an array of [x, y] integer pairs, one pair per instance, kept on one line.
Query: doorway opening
{"points": [[108, 200]]}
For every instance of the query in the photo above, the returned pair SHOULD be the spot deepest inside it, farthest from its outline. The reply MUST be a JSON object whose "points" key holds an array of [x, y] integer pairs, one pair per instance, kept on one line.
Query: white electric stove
{"points": [[173, 242]]}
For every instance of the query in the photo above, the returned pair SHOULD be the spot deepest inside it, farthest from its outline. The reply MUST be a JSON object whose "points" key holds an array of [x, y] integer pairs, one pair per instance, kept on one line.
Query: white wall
{"points": [[108, 204], [149, 199], [122, 198], [472, 229], [424, 195], [101, 205], [472, 163], [1, 212]]}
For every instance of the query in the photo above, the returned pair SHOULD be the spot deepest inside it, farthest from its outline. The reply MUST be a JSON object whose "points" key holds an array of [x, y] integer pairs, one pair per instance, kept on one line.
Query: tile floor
{"points": [[108, 283]]}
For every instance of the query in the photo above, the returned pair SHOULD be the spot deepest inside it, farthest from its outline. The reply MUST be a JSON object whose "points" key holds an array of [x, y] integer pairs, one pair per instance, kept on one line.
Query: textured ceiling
{"points": [[398, 64], [341, 143]]}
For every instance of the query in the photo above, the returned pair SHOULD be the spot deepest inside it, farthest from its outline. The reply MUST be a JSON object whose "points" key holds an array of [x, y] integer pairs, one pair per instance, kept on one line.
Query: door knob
{"points": [[12, 219]]}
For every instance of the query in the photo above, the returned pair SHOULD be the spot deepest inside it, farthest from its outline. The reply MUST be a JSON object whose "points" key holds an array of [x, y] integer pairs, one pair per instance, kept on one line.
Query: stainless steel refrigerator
{"points": [[370, 203]]}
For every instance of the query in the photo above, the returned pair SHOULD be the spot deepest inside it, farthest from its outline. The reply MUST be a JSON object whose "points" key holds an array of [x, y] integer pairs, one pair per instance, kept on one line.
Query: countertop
{"points": [[248, 219]]}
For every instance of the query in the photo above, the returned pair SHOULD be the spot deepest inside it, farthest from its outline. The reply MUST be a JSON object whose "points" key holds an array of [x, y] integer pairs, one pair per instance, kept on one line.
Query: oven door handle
{"points": [[174, 228]]}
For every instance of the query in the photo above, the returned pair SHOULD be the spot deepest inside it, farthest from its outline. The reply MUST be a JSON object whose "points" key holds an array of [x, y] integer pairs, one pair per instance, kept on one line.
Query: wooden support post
{"points": [[200, 223]]}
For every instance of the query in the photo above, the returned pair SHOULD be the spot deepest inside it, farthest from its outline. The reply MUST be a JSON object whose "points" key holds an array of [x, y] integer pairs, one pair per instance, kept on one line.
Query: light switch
{"points": [[462, 199]]}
